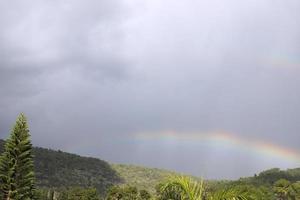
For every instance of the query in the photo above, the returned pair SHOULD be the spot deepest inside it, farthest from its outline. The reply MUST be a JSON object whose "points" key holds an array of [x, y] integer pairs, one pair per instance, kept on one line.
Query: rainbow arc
{"points": [[253, 145]]}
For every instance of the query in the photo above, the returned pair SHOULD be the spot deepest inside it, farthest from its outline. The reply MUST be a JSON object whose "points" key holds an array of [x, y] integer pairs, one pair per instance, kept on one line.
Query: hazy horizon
{"points": [[189, 86]]}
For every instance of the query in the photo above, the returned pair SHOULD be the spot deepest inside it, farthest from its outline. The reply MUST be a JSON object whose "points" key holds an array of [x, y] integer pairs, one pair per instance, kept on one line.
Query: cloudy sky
{"points": [[207, 87]]}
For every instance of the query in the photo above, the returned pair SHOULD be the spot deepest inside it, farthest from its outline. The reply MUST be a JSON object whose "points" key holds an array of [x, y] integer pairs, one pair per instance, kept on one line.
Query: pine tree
{"points": [[4, 179], [16, 164]]}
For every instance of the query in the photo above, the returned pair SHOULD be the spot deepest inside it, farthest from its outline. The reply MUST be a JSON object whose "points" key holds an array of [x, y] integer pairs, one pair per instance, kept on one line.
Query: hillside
{"points": [[269, 177], [57, 169], [60, 169], [142, 177]]}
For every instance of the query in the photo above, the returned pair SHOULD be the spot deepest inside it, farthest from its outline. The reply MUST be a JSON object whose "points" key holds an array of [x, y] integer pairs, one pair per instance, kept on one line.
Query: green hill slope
{"points": [[142, 177], [270, 176], [57, 169], [60, 169]]}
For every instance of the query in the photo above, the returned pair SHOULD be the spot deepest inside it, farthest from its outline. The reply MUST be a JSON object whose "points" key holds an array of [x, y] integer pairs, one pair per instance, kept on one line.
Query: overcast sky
{"points": [[91, 76]]}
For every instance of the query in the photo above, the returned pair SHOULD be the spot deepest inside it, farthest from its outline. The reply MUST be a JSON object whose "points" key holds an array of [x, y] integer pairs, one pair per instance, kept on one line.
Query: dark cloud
{"points": [[92, 75]]}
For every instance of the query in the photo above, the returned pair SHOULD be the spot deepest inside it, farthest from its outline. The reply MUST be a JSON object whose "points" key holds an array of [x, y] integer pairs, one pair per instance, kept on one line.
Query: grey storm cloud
{"points": [[91, 75]]}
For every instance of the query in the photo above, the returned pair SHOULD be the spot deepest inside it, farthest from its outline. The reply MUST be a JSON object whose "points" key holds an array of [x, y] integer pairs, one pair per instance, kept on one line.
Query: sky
{"points": [[206, 87]]}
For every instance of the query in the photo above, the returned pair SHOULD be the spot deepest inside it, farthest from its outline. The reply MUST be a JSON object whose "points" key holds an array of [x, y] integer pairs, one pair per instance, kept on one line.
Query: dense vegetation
{"points": [[57, 169], [141, 177], [65, 176]]}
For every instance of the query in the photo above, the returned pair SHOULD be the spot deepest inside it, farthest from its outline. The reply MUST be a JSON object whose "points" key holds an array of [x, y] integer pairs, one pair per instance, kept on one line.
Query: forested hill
{"points": [[60, 169], [269, 177], [56, 169]]}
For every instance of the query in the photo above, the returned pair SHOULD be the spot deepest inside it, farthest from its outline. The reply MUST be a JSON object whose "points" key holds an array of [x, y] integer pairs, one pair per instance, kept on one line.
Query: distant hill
{"points": [[57, 169], [269, 177]]}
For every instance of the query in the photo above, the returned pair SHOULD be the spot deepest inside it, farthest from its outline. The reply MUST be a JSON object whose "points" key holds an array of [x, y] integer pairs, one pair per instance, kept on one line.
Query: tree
{"points": [[114, 193], [16, 164], [179, 188], [78, 193], [295, 191], [281, 189], [127, 192], [185, 188], [144, 195]]}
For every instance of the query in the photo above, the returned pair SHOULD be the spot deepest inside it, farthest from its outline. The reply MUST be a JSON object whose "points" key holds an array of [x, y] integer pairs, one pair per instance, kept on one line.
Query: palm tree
{"points": [[182, 188], [185, 188], [229, 194]]}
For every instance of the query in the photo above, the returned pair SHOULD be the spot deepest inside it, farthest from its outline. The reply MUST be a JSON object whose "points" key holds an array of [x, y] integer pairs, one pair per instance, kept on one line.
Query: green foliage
{"points": [[145, 195], [167, 193], [272, 175], [185, 188], [127, 192], [294, 191], [78, 193], [250, 191], [142, 177], [285, 190], [229, 194], [281, 189], [42, 194], [16, 164], [73, 193], [59, 169]]}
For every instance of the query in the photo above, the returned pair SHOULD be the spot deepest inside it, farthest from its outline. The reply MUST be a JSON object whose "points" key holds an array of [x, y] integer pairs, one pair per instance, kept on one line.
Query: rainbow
{"points": [[285, 62], [253, 145]]}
